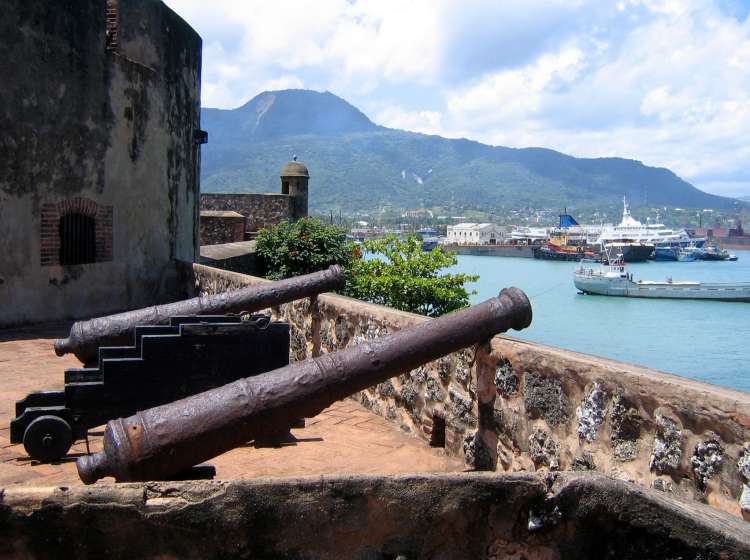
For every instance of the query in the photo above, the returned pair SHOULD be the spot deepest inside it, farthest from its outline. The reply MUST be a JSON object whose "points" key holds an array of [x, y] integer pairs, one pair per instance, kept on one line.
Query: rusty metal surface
{"points": [[160, 442], [117, 330]]}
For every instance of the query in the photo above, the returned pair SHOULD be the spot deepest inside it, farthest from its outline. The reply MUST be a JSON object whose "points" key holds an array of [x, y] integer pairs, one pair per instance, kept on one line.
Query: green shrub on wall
{"points": [[301, 247], [396, 272], [401, 275]]}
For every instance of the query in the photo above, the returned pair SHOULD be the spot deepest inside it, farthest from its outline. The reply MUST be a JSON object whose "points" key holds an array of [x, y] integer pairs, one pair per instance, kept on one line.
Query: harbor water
{"points": [[704, 340]]}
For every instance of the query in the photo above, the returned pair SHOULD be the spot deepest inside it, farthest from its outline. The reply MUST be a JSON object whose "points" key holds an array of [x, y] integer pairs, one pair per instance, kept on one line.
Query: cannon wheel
{"points": [[47, 438]]}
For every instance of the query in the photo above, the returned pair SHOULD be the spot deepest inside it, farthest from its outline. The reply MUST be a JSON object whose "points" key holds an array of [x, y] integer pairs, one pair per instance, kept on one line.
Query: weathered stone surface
{"points": [[544, 398], [297, 345], [625, 421], [419, 375], [544, 450], [583, 461], [444, 367], [745, 499], [461, 516], [591, 412], [662, 484], [461, 409], [506, 381], [743, 465], [667, 450], [476, 453], [463, 367], [260, 210], [433, 390], [103, 133], [408, 396], [386, 389], [706, 461], [544, 518]]}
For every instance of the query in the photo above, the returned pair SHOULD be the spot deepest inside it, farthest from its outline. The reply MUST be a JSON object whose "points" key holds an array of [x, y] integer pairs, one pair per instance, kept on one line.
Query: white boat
{"points": [[631, 230], [614, 280]]}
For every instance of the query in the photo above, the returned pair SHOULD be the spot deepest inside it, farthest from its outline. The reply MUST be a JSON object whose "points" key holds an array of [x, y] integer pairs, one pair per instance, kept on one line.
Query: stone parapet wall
{"points": [[511, 405], [260, 210], [455, 516], [215, 230]]}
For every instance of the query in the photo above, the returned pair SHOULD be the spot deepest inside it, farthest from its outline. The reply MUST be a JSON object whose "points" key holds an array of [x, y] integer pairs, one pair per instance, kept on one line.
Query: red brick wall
{"points": [[50, 228]]}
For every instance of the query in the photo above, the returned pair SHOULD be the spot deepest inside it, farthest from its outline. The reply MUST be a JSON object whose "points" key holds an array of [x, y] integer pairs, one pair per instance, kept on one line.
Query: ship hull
{"points": [[635, 252], [623, 287]]}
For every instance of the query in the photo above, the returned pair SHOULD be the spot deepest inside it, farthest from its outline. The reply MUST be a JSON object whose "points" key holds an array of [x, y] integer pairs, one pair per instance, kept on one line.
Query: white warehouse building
{"points": [[470, 233]]}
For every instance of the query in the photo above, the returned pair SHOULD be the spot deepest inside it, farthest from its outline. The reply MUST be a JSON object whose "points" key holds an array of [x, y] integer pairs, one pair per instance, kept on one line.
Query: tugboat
{"points": [[567, 242], [614, 280]]}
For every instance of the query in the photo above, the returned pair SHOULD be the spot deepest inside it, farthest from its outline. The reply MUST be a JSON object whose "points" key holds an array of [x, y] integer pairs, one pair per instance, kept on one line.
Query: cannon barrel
{"points": [[117, 330], [163, 441]]}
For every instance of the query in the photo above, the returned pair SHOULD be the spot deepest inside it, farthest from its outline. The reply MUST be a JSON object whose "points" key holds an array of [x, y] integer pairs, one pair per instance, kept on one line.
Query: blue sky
{"points": [[666, 82]]}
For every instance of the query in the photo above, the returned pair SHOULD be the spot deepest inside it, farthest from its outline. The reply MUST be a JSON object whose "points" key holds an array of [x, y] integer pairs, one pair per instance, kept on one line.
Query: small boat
{"points": [[665, 253], [687, 254], [614, 280], [714, 253]]}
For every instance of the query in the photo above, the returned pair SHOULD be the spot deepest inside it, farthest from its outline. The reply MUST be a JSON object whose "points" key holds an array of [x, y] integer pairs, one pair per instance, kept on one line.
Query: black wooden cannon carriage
{"points": [[166, 363]]}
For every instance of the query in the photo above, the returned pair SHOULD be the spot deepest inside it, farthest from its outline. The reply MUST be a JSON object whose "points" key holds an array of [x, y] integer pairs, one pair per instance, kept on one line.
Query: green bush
{"points": [[301, 247], [400, 274]]}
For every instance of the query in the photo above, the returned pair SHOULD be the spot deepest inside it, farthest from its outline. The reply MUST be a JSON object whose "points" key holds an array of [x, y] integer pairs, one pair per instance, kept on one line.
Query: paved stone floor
{"points": [[345, 438]]}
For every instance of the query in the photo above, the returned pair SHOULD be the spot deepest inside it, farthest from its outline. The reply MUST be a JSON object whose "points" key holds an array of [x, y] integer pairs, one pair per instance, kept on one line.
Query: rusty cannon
{"points": [[117, 330], [161, 442]]}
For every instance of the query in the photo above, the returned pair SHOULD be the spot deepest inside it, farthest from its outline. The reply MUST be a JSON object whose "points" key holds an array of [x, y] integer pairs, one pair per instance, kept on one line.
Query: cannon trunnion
{"points": [[190, 355]]}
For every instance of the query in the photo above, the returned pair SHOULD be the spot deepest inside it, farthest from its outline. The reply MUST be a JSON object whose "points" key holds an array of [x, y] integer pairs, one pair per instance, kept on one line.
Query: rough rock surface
{"points": [[476, 453], [544, 398], [544, 450], [625, 421], [506, 381], [433, 390], [706, 461], [591, 413], [461, 409], [743, 465], [460, 516], [667, 449], [583, 461]]}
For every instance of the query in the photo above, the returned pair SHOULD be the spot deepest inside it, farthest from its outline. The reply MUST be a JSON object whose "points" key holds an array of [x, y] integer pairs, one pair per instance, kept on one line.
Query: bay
{"points": [[704, 340]]}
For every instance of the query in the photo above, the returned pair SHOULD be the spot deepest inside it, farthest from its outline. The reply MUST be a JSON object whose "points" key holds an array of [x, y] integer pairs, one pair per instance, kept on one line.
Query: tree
{"points": [[400, 274], [301, 247]]}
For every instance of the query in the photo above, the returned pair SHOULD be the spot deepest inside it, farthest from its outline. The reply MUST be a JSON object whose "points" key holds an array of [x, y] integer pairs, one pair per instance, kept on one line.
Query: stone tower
{"points": [[294, 179]]}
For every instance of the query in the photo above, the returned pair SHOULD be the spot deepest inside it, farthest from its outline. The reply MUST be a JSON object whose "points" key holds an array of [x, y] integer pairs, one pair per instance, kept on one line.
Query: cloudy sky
{"points": [[663, 81]]}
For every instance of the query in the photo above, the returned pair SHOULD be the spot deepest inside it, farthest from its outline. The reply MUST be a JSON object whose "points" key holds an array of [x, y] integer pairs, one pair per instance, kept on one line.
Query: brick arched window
{"points": [[75, 231], [77, 238]]}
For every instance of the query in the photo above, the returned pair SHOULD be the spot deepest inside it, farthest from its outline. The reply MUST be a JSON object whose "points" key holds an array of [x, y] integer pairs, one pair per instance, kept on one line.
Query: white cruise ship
{"points": [[632, 231]]}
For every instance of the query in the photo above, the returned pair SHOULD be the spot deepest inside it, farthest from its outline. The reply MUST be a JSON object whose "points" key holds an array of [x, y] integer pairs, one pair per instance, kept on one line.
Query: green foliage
{"points": [[301, 247], [402, 276]]}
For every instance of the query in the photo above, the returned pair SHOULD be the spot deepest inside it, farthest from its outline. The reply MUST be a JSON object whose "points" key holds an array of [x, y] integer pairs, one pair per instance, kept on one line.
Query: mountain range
{"points": [[357, 165]]}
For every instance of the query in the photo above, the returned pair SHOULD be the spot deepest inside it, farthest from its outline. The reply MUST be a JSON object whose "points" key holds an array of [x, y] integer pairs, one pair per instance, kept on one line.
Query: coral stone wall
{"points": [[217, 229], [260, 210], [510, 405]]}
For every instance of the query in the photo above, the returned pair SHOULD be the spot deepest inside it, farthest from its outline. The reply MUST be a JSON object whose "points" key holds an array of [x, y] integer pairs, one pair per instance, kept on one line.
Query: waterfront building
{"points": [[469, 233]]}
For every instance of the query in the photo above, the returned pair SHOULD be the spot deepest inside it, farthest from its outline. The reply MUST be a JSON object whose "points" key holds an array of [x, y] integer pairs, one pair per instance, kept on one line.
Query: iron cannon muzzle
{"points": [[160, 442], [117, 330]]}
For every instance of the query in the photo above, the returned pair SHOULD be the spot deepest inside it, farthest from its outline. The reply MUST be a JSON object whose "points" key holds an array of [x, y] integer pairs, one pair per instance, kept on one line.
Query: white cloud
{"points": [[663, 81], [426, 122]]}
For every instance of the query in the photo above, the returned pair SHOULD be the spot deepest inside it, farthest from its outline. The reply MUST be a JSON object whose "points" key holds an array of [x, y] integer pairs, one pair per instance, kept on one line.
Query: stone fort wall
{"points": [[510, 405], [260, 210], [100, 111]]}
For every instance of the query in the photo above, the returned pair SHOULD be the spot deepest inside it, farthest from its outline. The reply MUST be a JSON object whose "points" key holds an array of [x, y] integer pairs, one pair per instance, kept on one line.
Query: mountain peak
{"points": [[273, 114]]}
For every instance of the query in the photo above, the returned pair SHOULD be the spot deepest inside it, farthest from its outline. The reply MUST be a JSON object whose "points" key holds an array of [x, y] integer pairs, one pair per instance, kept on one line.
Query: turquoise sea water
{"points": [[708, 341]]}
